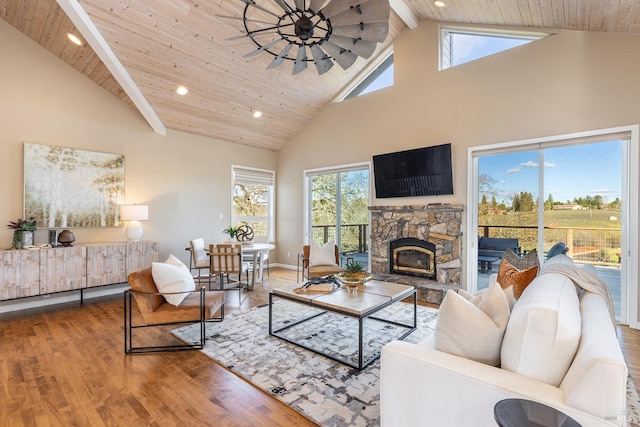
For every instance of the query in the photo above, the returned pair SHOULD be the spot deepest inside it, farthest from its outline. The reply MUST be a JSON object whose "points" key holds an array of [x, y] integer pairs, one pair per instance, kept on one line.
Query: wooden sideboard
{"points": [[31, 272]]}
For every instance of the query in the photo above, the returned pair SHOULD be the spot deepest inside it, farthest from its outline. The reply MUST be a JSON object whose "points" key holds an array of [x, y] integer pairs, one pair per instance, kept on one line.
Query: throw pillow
{"points": [[518, 272], [322, 254], [522, 263], [473, 326], [172, 276], [510, 276], [544, 330]]}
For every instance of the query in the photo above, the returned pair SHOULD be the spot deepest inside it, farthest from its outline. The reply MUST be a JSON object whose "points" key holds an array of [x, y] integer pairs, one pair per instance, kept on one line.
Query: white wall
{"points": [[185, 179], [566, 83]]}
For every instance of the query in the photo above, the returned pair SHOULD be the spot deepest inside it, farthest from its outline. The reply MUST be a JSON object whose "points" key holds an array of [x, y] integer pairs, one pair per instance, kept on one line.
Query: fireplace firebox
{"points": [[414, 257]]}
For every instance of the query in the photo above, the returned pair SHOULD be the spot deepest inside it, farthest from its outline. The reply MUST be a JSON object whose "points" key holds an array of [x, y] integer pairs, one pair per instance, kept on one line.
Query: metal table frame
{"points": [[361, 317]]}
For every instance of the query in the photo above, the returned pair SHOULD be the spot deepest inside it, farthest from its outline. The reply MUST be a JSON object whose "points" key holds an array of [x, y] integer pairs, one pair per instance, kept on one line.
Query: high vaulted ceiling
{"points": [[142, 50]]}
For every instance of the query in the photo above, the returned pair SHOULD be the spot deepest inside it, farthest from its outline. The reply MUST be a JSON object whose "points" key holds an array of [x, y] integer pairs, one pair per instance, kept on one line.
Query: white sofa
{"points": [[421, 386]]}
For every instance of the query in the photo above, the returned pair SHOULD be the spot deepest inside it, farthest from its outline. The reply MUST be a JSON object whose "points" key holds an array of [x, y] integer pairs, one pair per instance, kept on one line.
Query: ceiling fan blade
{"points": [[253, 3], [262, 48], [280, 58], [300, 4], [343, 57], [316, 5], [322, 61], [244, 36], [283, 5], [338, 6], [243, 19], [371, 11], [376, 32], [301, 60], [362, 48]]}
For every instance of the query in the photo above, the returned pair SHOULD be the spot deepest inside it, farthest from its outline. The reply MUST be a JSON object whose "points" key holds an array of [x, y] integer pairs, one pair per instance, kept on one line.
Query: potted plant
{"points": [[353, 276], [231, 231], [22, 232]]}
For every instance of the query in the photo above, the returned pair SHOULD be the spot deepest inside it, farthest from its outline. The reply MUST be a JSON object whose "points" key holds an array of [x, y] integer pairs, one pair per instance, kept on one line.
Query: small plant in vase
{"points": [[231, 231], [353, 275], [22, 232]]}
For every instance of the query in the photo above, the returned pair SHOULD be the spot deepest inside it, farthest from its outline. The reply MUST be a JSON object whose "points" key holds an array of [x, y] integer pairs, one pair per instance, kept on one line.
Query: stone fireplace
{"points": [[430, 235]]}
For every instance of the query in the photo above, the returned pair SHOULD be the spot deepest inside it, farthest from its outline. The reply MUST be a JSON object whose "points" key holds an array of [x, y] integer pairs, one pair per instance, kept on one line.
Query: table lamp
{"points": [[134, 214]]}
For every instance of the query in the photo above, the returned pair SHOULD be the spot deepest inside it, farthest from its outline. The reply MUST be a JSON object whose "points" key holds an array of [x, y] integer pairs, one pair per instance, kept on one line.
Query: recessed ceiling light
{"points": [[439, 3], [257, 114], [182, 90], [74, 39]]}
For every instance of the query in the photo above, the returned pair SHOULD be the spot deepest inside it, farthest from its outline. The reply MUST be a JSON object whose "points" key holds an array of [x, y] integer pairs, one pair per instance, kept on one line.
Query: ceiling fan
{"points": [[330, 30]]}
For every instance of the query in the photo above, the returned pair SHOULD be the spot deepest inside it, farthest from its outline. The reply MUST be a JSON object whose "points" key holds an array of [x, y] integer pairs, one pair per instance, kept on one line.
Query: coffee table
{"points": [[371, 297]]}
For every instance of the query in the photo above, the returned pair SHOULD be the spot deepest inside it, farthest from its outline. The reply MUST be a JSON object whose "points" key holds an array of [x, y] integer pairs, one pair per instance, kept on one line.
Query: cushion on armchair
{"points": [[322, 254], [173, 276], [473, 326]]}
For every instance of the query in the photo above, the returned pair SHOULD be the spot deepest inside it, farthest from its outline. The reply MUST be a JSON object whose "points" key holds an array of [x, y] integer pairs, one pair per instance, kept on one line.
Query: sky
{"points": [[569, 172]]}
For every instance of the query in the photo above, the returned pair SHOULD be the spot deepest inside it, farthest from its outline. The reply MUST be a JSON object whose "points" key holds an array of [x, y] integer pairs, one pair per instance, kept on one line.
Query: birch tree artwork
{"points": [[65, 187]]}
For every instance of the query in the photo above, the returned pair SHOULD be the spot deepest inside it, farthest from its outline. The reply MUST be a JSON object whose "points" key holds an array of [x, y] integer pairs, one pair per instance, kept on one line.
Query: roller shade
{"points": [[253, 176]]}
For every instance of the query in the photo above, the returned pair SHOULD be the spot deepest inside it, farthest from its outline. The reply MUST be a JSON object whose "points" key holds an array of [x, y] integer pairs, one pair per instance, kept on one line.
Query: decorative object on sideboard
{"points": [[53, 237], [66, 238], [22, 232], [97, 180], [134, 214], [336, 30]]}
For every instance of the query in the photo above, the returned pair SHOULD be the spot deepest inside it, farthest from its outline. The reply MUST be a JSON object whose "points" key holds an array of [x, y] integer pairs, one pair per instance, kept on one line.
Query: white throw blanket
{"points": [[585, 280]]}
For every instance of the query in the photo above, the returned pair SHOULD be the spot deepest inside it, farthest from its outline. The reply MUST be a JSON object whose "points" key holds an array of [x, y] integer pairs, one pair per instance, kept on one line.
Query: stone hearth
{"points": [[440, 224]]}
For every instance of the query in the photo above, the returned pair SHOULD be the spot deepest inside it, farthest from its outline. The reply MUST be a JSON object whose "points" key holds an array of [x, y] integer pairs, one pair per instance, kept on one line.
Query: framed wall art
{"points": [[67, 187]]}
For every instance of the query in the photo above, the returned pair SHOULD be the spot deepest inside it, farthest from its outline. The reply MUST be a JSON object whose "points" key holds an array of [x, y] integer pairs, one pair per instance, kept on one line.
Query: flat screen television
{"points": [[419, 172]]}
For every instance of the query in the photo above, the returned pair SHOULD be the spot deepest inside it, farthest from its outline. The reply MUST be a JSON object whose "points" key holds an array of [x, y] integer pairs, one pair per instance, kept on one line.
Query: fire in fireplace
{"points": [[414, 257]]}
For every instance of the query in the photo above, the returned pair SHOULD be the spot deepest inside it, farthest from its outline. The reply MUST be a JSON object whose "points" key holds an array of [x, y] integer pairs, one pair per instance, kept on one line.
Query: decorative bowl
{"points": [[353, 281]]}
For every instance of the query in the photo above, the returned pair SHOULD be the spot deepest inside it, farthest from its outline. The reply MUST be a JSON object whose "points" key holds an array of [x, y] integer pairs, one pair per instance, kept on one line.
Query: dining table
{"points": [[257, 250]]}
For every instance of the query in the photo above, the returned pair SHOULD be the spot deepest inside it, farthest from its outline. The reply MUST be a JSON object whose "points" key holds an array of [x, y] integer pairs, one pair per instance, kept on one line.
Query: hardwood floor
{"points": [[65, 365]]}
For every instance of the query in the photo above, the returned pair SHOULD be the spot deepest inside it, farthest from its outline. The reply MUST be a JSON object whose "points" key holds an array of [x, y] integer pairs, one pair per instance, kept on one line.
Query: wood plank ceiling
{"points": [[164, 44]]}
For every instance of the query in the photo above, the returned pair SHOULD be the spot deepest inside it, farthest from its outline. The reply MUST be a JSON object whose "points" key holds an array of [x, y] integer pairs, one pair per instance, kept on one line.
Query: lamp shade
{"points": [[134, 212]]}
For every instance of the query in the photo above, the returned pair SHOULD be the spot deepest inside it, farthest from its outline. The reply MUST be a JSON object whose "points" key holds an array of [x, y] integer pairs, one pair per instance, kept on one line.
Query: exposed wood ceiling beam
{"points": [[83, 23], [401, 8]]}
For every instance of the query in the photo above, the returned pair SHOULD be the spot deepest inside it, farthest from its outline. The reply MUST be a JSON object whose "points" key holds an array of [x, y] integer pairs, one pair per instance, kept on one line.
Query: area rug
{"points": [[327, 392]]}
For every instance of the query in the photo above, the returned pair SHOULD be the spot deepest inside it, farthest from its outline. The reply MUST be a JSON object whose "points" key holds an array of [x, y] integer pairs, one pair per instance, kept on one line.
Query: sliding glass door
{"points": [[338, 200], [571, 191]]}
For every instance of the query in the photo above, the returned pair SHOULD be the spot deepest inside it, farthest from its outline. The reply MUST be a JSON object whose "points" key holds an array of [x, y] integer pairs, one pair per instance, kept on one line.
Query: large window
{"points": [[337, 209], [458, 46], [576, 189], [252, 200]]}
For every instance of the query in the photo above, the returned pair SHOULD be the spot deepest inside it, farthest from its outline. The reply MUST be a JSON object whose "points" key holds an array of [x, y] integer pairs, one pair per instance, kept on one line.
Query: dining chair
{"points": [[199, 260], [226, 261]]}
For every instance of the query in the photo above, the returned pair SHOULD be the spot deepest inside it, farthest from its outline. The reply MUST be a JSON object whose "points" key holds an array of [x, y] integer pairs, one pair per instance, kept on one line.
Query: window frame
{"points": [[256, 176], [444, 42]]}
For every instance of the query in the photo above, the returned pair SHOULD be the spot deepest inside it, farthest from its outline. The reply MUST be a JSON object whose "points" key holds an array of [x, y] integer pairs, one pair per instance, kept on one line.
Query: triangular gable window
{"points": [[458, 46], [380, 78]]}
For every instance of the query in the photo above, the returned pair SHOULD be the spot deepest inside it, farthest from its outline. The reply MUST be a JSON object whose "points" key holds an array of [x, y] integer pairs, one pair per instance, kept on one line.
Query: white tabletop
{"points": [[257, 247]]}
